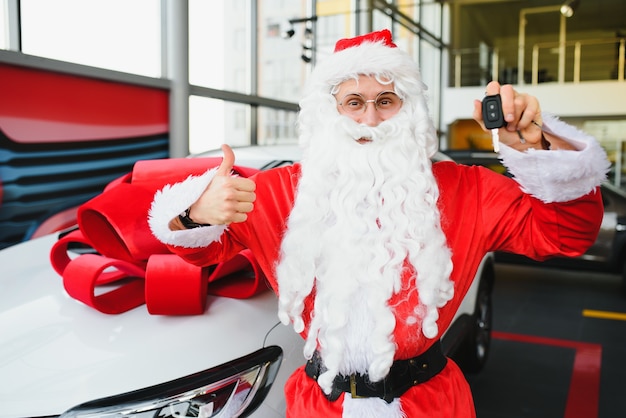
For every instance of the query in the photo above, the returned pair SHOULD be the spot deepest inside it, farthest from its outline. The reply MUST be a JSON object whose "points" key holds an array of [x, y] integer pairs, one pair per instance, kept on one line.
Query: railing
{"points": [[474, 67], [585, 60]]}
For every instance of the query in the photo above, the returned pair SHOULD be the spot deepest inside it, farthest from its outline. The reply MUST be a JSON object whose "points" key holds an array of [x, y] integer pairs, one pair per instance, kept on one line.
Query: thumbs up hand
{"points": [[227, 198]]}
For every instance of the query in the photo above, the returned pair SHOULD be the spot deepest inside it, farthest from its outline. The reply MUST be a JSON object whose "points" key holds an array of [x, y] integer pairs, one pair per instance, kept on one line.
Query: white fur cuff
{"points": [[559, 175], [173, 199]]}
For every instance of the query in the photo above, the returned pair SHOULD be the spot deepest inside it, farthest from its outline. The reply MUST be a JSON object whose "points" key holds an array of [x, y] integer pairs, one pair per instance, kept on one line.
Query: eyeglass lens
{"points": [[385, 101]]}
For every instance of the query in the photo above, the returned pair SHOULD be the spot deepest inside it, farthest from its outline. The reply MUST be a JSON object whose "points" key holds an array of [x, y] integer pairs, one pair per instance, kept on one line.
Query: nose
{"points": [[371, 116]]}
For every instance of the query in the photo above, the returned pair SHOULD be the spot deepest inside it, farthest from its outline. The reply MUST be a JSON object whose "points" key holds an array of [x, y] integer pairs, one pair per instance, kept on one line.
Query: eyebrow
{"points": [[376, 95]]}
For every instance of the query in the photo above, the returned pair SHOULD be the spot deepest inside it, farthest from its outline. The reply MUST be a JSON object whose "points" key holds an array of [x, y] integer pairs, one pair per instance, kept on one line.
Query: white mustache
{"points": [[385, 130]]}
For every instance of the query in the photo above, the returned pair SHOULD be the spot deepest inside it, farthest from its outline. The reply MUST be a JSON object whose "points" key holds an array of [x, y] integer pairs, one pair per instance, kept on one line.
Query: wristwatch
{"points": [[188, 222]]}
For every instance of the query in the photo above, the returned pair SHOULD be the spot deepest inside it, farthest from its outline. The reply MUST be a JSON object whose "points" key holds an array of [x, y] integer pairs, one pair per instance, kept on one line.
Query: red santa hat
{"points": [[383, 36], [370, 54]]}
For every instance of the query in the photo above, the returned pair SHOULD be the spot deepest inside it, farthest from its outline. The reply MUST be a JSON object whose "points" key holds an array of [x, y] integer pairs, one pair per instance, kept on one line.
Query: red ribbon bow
{"points": [[131, 267]]}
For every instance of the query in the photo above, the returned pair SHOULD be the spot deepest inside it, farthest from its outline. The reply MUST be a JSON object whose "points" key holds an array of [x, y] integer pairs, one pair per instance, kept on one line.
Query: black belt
{"points": [[403, 375]]}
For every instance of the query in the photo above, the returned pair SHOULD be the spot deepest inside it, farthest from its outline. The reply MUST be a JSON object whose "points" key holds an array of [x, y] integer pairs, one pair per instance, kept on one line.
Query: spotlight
{"points": [[569, 7], [288, 33]]}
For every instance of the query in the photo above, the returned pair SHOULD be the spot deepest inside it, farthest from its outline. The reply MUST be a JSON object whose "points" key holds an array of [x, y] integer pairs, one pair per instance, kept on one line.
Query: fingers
{"points": [[522, 114], [492, 88], [507, 93], [239, 200], [228, 198], [530, 111], [478, 113], [520, 110], [227, 162], [239, 194]]}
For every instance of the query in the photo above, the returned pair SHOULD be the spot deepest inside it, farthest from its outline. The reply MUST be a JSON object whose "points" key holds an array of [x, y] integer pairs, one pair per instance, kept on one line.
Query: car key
{"points": [[493, 118]]}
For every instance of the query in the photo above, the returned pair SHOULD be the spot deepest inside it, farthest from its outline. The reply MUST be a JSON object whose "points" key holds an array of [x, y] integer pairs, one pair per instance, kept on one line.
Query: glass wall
{"points": [[418, 29], [279, 126], [220, 44], [4, 24], [216, 122], [281, 48], [244, 49], [242, 53], [113, 34]]}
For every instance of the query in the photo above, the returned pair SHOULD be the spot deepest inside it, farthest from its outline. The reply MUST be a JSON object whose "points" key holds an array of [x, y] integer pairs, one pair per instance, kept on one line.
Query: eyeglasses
{"points": [[386, 102]]}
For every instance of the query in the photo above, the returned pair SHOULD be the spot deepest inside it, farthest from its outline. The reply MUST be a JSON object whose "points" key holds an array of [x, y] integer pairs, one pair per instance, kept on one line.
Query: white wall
{"points": [[588, 99]]}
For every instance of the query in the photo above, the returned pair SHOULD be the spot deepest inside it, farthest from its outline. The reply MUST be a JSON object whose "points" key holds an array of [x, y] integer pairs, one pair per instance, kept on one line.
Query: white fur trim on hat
{"points": [[172, 200], [369, 58], [559, 175]]}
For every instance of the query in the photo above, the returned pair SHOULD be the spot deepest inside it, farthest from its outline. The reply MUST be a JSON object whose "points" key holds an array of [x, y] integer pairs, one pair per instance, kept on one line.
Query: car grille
{"points": [[40, 180]]}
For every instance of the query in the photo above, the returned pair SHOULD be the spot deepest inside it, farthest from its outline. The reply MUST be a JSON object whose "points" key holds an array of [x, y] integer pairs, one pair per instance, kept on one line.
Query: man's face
{"points": [[367, 101]]}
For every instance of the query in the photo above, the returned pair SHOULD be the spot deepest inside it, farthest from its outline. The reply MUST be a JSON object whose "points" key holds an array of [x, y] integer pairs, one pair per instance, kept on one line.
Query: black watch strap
{"points": [[188, 222]]}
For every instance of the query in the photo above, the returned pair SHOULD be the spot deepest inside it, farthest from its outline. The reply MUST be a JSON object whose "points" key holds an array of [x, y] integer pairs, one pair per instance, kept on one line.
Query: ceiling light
{"points": [[569, 7]]}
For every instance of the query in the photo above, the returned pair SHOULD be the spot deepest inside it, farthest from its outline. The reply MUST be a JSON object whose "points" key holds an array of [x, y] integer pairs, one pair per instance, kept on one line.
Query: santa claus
{"points": [[369, 246]]}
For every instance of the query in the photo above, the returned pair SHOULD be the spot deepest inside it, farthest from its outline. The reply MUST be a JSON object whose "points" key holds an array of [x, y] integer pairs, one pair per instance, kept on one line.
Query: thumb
{"points": [[227, 162]]}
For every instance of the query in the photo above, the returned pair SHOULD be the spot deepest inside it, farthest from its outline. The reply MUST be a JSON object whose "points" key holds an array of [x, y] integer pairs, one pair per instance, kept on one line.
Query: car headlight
{"points": [[233, 389]]}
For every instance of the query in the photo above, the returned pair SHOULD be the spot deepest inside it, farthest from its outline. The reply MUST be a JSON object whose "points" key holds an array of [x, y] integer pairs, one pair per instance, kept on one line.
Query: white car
{"points": [[59, 357]]}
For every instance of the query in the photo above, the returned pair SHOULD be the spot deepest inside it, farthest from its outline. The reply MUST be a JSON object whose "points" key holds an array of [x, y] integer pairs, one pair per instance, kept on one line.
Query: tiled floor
{"points": [[547, 359]]}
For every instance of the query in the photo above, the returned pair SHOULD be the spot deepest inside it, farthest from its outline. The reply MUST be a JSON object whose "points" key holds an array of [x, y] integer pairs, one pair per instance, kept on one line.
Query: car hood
{"points": [[56, 353]]}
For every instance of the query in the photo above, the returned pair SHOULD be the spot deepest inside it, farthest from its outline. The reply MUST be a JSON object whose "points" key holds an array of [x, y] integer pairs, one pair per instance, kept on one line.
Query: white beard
{"points": [[361, 212]]}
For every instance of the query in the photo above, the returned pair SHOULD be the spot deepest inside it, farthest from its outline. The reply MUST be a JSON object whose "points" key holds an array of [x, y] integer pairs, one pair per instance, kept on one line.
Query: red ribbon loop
{"points": [[175, 287], [116, 222], [82, 276]]}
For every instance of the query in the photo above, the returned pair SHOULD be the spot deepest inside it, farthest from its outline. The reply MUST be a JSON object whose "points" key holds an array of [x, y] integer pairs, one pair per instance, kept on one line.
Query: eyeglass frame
{"points": [[366, 102]]}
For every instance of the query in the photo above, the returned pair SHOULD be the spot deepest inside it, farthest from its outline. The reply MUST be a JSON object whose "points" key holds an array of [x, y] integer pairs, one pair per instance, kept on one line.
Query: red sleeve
{"points": [[262, 232], [210, 255], [504, 218]]}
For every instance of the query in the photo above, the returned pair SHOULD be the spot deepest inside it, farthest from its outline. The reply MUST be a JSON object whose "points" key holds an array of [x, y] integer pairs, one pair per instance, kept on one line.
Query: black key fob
{"points": [[492, 112]]}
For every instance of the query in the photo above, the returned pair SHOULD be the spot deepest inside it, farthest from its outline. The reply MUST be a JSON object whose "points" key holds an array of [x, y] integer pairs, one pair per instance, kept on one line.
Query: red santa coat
{"points": [[481, 211]]}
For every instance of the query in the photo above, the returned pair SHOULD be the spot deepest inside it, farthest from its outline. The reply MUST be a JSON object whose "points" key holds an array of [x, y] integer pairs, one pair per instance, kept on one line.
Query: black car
{"points": [[607, 254]]}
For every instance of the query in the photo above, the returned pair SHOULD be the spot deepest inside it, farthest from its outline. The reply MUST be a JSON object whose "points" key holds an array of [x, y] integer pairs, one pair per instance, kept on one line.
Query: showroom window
{"points": [[117, 35]]}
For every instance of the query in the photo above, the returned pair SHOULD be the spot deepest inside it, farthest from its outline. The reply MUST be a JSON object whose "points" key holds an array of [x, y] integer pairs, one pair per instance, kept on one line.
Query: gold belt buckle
{"points": [[353, 387]]}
